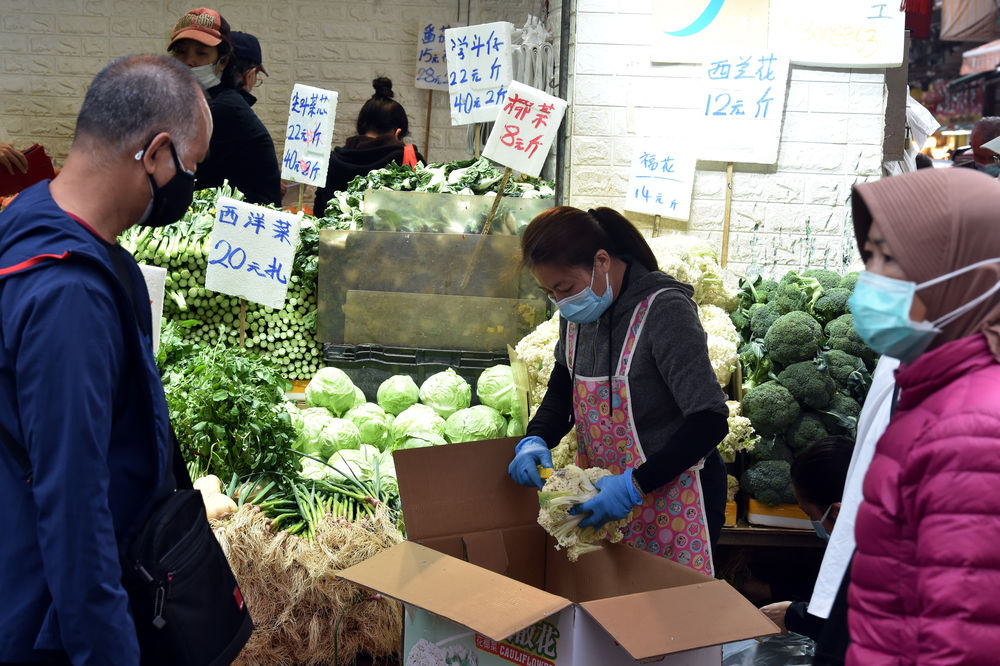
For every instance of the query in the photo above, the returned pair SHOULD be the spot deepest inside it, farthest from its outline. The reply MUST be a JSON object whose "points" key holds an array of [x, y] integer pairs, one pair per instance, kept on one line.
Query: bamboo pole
{"points": [[725, 219]]}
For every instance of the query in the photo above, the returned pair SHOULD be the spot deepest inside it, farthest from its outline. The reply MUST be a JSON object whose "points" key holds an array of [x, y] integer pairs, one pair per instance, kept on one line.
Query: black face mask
{"points": [[170, 201]]}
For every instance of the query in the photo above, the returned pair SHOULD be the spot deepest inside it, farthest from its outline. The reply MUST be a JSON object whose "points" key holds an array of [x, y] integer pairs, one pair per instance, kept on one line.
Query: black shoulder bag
{"points": [[186, 604]]}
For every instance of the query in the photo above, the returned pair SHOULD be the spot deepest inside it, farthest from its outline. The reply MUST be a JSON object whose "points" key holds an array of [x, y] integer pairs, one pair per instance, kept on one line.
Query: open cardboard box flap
{"points": [[461, 495], [486, 602]]}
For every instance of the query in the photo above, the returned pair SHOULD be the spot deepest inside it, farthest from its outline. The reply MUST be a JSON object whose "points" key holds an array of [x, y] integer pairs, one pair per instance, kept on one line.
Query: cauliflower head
{"points": [[564, 489]]}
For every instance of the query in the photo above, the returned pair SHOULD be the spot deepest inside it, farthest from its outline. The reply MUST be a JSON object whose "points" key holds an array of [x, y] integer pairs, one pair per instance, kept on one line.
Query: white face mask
{"points": [[206, 76]]}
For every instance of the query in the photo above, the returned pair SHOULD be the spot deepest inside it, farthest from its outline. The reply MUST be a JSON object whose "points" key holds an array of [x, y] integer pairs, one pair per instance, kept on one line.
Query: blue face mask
{"points": [[881, 309], [585, 306], [818, 525]]}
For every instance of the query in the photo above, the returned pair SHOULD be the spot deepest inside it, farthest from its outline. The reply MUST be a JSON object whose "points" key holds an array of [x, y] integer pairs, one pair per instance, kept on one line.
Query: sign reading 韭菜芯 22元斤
{"points": [[309, 135]]}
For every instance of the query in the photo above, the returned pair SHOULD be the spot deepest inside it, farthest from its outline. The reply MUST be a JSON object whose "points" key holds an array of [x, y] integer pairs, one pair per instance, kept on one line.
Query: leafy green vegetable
{"points": [[495, 388], [446, 392], [418, 425], [333, 389], [397, 393], [475, 423], [373, 424]]}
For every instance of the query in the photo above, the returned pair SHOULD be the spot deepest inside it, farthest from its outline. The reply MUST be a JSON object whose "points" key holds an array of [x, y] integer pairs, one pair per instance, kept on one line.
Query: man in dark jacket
{"points": [[78, 383]]}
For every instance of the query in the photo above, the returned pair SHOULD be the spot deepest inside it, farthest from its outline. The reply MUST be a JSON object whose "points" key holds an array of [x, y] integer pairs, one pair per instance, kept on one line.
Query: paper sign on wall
{"points": [[661, 180], [156, 279], [686, 31], [845, 33], [309, 135], [432, 71], [251, 252], [479, 70], [742, 106], [524, 129]]}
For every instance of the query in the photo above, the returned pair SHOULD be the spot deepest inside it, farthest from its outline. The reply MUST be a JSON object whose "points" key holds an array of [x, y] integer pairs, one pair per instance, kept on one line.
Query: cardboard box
{"points": [[483, 584], [782, 515]]}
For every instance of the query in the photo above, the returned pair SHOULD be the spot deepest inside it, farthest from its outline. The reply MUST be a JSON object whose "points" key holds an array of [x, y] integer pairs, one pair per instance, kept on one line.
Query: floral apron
{"points": [[671, 520]]}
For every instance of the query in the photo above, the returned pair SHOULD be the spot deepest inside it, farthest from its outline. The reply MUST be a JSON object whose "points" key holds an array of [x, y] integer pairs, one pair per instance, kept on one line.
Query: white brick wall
{"points": [[793, 214], [51, 49]]}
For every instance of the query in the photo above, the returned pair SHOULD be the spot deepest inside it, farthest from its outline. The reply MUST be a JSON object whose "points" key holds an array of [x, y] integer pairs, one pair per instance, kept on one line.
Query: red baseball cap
{"points": [[202, 25]]}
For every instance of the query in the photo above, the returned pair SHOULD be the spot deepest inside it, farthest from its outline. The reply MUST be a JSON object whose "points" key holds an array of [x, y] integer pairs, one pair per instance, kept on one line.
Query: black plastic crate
{"points": [[368, 365]]}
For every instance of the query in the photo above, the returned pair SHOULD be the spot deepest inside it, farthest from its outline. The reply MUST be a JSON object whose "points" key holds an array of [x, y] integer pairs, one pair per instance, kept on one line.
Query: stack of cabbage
{"points": [[693, 261], [805, 371], [286, 336], [339, 424]]}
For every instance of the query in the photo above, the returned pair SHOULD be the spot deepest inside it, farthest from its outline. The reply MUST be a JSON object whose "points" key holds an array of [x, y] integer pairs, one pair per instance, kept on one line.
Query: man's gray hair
{"points": [[134, 98]]}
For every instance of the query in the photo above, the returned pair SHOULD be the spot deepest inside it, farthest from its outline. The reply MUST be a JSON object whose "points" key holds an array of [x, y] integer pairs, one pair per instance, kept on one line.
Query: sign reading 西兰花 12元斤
{"points": [[524, 129], [251, 251], [845, 33], [661, 179], [479, 70], [741, 107], [309, 135], [432, 70]]}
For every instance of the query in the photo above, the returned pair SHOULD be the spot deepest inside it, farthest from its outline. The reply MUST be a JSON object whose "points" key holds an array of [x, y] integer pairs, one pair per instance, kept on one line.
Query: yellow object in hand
{"points": [[544, 472]]}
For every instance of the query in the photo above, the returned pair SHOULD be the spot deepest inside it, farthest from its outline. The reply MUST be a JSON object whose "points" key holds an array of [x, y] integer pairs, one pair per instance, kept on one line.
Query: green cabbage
{"points": [[294, 413], [397, 393], [475, 423], [446, 392], [359, 397], [314, 469], [418, 423], [373, 424], [339, 434], [515, 428], [331, 388], [314, 420], [496, 389]]}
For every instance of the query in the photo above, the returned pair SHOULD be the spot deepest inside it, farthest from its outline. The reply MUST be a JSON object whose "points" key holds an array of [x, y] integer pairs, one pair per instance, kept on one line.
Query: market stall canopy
{"points": [[968, 20], [984, 58]]}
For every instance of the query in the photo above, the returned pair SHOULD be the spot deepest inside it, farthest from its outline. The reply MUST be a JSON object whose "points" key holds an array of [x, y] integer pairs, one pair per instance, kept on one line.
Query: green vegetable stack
{"points": [[805, 371]]}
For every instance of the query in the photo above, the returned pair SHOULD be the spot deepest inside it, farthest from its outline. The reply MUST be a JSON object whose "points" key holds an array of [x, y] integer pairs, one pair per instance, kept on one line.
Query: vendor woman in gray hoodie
{"points": [[633, 373]]}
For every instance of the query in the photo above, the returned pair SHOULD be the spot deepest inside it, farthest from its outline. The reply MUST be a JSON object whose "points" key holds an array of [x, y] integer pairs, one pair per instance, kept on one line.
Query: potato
{"points": [[218, 506], [208, 485]]}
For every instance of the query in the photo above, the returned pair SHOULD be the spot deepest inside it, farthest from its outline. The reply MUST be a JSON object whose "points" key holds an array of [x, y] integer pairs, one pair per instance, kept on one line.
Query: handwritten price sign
{"points": [[251, 252], [743, 103], [846, 33], [479, 71], [432, 70], [661, 180], [524, 129], [309, 135]]}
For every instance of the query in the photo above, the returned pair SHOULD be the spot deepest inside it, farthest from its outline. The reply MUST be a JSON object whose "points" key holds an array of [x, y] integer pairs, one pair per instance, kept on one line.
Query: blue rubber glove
{"points": [[529, 453], [616, 497]]}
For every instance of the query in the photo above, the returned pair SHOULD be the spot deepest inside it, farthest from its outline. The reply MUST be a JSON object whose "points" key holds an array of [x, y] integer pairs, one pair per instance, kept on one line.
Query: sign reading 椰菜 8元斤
{"points": [[479, 70], [309, 135], [524, 129], [432, 71], [742, 106], [251, 252], [661, 180]]}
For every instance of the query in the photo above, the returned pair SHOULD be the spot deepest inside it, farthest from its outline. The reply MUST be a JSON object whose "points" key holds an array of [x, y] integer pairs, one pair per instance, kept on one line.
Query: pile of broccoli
{"points": [[805, 371]]}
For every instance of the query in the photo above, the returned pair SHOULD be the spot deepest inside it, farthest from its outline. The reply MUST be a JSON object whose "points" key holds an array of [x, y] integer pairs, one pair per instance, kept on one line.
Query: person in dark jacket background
{"points": [[249, 64], [818, 476], [79, 386], [381, 126], [241, 151]]}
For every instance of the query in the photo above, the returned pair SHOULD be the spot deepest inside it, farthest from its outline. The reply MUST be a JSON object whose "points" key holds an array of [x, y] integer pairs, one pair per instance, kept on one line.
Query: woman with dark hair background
{"points": [[381, 126], [241, 150], [632, 371]]}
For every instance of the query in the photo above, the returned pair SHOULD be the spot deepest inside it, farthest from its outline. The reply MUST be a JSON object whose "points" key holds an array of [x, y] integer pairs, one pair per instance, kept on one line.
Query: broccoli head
{"points": [[766, 290], [762, 315], [796, 293], [807, 429], [828, 279], [772, 448], [793, 337], [842, 415], [848, 281], [832, 304], [740, 320], [811, 385], [756, 365], [770, 482], [770, 407], [841, 335], [841, 365]]}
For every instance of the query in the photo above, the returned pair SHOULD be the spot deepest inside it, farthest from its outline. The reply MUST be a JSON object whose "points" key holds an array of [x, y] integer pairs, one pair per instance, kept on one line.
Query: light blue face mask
{"points": [[881, 309], [585, 306], [818, 525]]}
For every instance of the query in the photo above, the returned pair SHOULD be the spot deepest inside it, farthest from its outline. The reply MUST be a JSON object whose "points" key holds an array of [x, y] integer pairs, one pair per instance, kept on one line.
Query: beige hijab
{"points": [[936, 221]]}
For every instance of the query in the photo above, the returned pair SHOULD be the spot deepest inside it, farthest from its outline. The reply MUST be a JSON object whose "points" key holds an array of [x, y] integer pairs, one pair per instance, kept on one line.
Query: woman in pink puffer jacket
{"points": [[925, 579]]}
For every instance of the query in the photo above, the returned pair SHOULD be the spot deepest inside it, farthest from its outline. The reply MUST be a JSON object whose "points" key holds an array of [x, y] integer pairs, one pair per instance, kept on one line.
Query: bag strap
{"points": [[410, 156]]}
